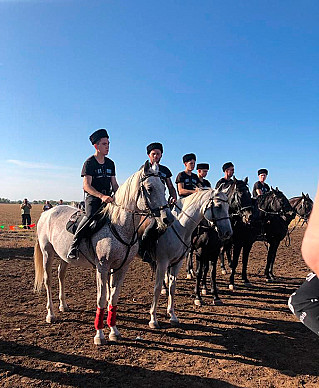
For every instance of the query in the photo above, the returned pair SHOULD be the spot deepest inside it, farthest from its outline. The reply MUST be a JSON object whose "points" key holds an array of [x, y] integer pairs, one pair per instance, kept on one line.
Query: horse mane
{"points": [[124, 198], [190, 199]]}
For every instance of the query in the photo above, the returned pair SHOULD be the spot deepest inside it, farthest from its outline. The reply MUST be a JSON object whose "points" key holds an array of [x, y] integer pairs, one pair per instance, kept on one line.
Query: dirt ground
{"points": [[251, 341]]}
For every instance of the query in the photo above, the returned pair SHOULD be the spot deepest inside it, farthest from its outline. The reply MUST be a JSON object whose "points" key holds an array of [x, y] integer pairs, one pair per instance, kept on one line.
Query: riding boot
{"points": [[146, 242], [73, 253]]}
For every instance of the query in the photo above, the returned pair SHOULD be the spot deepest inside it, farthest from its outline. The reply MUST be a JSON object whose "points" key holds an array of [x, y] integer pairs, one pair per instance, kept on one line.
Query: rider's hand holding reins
{"points": [[106, 198]]}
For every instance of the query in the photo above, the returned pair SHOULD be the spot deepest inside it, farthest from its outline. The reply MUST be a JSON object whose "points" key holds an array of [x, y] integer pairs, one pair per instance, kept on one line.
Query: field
{"points": [[251, 341]]}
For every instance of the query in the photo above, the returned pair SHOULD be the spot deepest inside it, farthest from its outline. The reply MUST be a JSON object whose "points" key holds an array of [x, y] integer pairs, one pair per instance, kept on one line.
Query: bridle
{"points": [[208, 204], [152, 212], [234, 195]]}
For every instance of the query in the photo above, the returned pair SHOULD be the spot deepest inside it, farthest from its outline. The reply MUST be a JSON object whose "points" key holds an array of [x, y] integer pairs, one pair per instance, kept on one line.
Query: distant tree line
{"points": [[35, 202]]}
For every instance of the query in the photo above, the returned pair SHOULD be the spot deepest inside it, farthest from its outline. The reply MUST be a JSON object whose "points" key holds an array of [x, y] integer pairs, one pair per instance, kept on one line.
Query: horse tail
{"points": [[38, 267]]}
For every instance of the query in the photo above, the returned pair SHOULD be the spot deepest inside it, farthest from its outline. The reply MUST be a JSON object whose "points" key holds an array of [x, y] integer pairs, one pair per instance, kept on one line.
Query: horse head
{"points": [[216, 212], [240, 200], [152, 198], [275, 202], [305, 207]]}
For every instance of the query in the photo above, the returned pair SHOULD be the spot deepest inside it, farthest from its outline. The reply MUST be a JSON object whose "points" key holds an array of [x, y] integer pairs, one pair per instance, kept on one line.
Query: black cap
{"points": [[154, 146], [227, 165], [188, 157], [263, 171], [202, 166], [98, 135]]}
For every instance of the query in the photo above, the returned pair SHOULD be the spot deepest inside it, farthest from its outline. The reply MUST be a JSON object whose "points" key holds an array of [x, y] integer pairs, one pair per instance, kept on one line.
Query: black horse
{"points": [[272, 215], [302, 206], [207, 245]]}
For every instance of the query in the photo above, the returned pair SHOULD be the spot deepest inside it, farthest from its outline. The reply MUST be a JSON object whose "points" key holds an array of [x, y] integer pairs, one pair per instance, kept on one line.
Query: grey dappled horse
{"points": [[112, 248], [175, 242]]}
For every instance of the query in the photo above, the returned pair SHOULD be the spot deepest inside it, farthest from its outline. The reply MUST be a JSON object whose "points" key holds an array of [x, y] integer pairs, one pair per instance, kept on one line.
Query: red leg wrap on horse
{"points": [[111, 316], [98, 323]]}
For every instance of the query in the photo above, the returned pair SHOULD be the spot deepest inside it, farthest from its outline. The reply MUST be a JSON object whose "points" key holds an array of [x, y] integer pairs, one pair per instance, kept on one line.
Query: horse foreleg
{"points": [[116, 282], [222, 261], [204, 280], [61, 275], [171, 292], [48, 257], [101, 283], [199, 276], [189, 265], [159, 277], [246, 251], [214, 290], [273, 246], [236, 253]]}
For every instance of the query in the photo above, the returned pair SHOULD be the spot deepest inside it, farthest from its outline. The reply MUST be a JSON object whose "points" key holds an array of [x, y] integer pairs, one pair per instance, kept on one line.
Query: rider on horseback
{"points": [[187, 182], [151, 235], [260, 187], [202, 170], [226, 181], [99, 182]]}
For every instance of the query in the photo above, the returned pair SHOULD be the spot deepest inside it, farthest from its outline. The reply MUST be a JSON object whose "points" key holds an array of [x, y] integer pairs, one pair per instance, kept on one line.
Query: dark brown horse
{"points": [[273, 213], [302, 206], [205, 241]]}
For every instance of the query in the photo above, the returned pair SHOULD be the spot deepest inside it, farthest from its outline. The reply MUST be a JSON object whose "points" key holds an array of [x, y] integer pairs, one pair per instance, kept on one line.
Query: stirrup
{"points": [[73, 253]]}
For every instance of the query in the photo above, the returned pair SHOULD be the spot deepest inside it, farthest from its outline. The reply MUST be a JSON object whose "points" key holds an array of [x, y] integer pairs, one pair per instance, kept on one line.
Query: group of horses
{"points": [[203, 222], [265, 218]]}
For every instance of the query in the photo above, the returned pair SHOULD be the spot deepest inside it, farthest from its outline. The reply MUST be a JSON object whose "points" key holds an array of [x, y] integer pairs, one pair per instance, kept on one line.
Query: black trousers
{"points": [[304, 303], [26, 220]]}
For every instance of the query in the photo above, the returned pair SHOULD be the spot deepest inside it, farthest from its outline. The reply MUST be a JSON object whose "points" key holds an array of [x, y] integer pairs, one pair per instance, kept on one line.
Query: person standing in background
{"points": [[26, 213]]}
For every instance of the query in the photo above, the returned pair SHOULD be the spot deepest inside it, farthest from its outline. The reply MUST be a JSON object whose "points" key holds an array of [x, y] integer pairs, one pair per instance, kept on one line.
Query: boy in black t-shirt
{"points": [[99, 182], [187, 182], [155, 152], [202, 170], [229, 169], [150, 236], [260, 187]]}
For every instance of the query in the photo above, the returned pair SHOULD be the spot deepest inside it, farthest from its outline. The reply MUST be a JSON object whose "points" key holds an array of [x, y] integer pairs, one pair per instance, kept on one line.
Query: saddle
{"points": [[74, 220], [93, 225]]}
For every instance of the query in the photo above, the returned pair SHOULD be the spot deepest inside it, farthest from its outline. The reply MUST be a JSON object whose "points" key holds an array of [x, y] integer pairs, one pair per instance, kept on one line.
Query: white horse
{"points": [[111, 249], [174, 244]]}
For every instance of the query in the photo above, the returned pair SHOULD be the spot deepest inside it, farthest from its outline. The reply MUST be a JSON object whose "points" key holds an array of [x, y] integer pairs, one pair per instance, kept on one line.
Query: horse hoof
{"points": [[198, 302], [64, 309], [224, 272], [204, 292], [269, 280], [154, 325], [217, 302], [188, 276], [164, 292], [113, 337], [99, 341], [231, 287], [50, 319], [174, 322]]}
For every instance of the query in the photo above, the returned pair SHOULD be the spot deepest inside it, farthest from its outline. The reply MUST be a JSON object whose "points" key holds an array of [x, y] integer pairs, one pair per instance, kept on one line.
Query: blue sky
{"points": [[228, 80]]}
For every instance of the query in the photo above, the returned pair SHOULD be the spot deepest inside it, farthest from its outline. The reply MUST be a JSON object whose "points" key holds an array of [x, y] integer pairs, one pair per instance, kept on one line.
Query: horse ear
{"points": [[307, 196], [277, 188], [272, 189], [303, 194], [147, 167], [246, 180]]}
